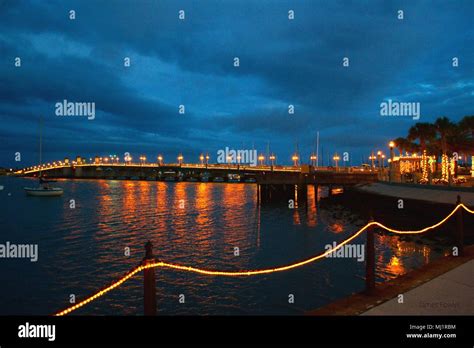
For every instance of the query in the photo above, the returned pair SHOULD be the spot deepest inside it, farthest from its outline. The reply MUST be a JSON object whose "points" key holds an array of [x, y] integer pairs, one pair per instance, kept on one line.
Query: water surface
{"points": [[197, 224]]}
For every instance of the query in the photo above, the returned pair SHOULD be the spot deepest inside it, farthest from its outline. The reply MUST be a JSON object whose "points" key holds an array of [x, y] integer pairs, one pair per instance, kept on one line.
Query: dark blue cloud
{"points": [[190, 62]]}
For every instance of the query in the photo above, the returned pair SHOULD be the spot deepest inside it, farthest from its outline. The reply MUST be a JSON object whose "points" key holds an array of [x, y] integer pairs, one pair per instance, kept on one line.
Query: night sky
{"points": [[191, 62]]}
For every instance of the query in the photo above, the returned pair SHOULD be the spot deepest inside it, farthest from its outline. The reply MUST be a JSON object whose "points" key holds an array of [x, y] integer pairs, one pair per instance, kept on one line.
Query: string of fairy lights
{"points": [[427, 165], [201, 271]]}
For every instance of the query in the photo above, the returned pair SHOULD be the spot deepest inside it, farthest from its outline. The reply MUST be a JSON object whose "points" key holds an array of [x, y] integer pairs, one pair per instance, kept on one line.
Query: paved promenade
{"points": [[449, 294], [420, 193], [444, 286]]}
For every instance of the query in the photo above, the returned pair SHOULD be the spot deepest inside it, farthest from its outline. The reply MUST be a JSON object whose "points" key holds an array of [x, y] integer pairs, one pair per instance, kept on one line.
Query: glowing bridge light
{"points": [[336, 159], [295, 159]]}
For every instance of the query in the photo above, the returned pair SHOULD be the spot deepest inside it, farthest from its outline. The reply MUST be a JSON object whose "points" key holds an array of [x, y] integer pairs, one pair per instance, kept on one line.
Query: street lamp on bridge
{"points": [[295, 159], [379, 159], [160, 160], [238, 158], [372, 159], [272, 159], [261, 159], [391, 145], [180, 159], [336, 159], [201, 158], [313, 159]]}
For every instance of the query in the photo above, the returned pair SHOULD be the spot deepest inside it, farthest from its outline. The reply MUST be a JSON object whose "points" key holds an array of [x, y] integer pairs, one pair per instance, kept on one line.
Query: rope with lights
{"points": [[191, 269]]}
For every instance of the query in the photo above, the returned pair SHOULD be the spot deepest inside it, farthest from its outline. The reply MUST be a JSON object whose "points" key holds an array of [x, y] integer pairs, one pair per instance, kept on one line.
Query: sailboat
{"points": [[43, 190]]}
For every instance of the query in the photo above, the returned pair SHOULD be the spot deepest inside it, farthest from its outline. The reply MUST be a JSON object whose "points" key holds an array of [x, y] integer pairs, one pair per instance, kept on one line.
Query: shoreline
{"points": [[359, 303], [383, 207]]}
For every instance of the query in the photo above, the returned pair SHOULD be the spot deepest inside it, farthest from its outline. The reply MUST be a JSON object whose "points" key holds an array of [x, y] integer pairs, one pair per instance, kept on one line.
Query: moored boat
{"points": [[170, 176], [233, 178], [44, 192]]}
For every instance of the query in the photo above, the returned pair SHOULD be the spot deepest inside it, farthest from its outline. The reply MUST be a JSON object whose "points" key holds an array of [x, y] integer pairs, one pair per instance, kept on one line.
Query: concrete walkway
{"points": [[423, 194], [449, 294]]}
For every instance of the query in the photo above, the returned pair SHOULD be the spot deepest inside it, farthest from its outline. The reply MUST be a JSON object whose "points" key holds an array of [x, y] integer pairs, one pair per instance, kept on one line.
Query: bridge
{"points": [[262, 174], [273, 182]]}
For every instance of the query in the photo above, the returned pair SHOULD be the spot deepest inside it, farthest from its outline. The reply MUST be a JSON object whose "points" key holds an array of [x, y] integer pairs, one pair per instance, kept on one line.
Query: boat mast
{"points": [[40, 143], [268, 150], [317, 149]]}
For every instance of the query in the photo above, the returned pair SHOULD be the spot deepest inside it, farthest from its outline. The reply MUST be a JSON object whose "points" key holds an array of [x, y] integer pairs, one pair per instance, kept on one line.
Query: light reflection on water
{"points": [[198, 224]]}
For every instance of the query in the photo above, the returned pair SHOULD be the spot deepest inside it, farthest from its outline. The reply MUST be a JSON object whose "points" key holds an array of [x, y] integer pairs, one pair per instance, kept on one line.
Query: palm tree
{"points": [[458, 140], [467, 124], [403, 145], [462, 140], [444, 128], [424, 132]]}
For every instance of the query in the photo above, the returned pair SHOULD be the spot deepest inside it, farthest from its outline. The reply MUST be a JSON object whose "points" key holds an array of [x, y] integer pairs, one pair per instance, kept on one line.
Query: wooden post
{"points": [[149, 282], [459, 228], [370, 261]]}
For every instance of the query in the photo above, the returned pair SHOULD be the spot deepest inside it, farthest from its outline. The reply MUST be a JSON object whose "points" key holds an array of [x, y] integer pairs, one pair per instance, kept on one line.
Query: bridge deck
{"points": [[265, 175]]}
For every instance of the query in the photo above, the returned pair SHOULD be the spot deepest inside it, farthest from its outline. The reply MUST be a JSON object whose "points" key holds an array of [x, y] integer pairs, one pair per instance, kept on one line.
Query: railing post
{"points": [[149, 282], [459, 228], [370, 261]]}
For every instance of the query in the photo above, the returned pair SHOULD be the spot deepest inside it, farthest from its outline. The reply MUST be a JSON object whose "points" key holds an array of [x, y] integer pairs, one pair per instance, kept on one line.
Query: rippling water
{"points": [[198, 224]]}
